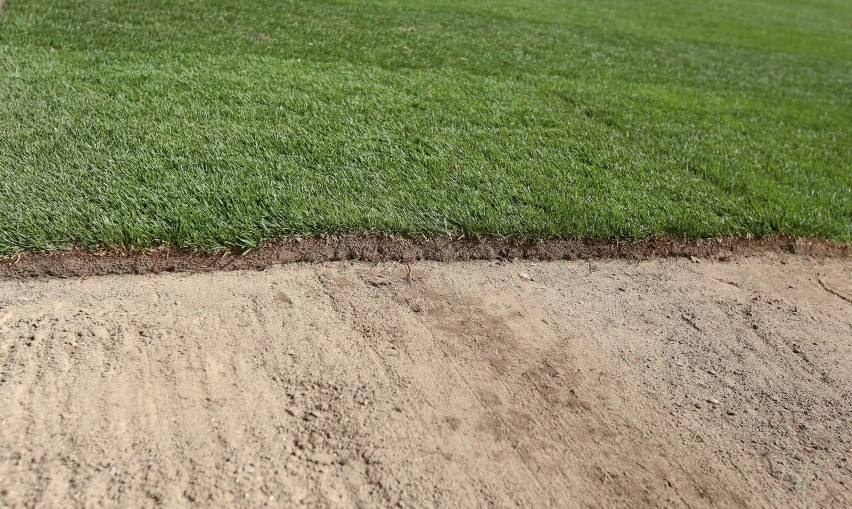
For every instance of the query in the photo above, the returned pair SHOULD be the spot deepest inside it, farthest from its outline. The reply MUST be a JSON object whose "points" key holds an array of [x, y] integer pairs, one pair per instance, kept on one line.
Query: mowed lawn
{"points": [[210, 123]]}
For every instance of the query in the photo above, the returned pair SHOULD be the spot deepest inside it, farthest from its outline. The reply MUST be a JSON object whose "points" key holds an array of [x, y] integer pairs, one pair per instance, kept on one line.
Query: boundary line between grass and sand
{"points": [[388, 248]]}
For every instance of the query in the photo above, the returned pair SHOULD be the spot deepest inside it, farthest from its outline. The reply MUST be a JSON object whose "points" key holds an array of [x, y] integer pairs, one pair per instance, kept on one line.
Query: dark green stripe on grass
{"points": [[211, 123]]}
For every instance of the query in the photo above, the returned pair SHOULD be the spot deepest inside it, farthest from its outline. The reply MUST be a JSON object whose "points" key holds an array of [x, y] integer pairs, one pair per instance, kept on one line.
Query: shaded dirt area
{"points": [[587, 383]]}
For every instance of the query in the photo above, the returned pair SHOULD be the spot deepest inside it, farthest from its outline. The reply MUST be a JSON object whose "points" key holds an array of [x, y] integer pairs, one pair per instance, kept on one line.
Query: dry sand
{"points": [[601, 384]]}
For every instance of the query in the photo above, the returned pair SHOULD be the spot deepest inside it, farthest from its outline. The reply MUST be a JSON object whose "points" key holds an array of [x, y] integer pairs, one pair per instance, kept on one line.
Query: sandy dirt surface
{"points": [[601, 384]]}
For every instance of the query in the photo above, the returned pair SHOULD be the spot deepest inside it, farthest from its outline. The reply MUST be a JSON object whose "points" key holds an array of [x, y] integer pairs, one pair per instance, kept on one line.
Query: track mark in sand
{"points": [[736, 285], [689, 318], [832, 290]]}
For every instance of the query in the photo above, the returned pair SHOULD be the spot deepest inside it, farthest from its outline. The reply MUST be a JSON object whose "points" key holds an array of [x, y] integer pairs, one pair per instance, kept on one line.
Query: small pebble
{"points": [[322, 458]]}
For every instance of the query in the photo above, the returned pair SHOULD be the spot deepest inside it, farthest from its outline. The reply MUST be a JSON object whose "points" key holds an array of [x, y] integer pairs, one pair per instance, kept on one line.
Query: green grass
{"points": [[211, 123]]}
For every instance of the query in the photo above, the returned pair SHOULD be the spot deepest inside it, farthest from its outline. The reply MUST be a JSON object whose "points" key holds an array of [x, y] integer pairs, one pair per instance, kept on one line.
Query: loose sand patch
{"points": [[467, 384]]}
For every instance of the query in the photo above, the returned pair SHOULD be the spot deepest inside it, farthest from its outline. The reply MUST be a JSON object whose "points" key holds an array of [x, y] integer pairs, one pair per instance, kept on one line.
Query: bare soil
{"points": [[601, 383]]}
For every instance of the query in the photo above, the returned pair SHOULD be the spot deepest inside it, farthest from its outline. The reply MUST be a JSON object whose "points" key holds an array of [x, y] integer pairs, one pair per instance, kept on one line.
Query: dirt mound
{"points": [[660, 383]]}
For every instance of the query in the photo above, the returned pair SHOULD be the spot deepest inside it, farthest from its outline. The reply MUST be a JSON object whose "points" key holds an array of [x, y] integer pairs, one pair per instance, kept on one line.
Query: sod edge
{"points": [[367, 247]]}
